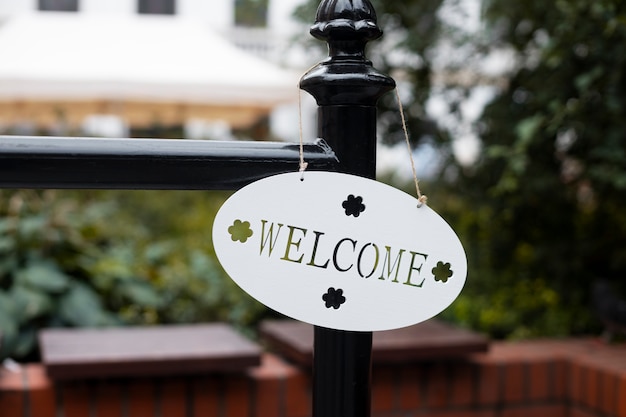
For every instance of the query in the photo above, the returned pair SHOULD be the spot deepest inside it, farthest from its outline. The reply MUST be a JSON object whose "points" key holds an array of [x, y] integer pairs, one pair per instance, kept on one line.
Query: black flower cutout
{"points": [[442, 272], [334, 298], [354, 206], [240, 231]]}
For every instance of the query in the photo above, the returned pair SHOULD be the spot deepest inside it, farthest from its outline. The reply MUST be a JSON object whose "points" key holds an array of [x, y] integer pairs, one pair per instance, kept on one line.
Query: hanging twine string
{"points": [[422, 199], [303, 164]]}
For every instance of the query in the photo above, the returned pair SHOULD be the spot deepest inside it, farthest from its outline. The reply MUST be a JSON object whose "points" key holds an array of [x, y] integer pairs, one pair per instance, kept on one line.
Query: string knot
{"points": [[303, 167]]}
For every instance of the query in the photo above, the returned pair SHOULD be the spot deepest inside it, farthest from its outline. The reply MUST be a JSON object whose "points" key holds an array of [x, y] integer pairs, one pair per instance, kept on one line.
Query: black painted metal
{"points": [[346, 88], [52, 162]]}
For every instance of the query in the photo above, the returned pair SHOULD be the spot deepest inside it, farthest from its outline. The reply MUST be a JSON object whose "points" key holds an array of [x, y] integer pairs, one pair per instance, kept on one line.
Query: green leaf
{"points": [[7, 304], [32, 226], [158, 252], [7, 244], [518, 164], [9, 336], [141, 293], [497, 151], [25, 342], [82, 307], [29, 304], [118, 263], [584, 81], [8, 264], [527, 129], [202, 266], [45, 276], [7, 224], [8, 326]]}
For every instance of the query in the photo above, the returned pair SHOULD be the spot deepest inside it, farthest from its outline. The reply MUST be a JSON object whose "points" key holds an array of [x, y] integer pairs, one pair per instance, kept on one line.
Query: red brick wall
{"points": [[573, 378]]}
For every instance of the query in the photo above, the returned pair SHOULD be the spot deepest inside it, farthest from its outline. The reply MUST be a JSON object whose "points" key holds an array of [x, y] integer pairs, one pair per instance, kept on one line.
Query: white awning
{"points": [[156, 60]]}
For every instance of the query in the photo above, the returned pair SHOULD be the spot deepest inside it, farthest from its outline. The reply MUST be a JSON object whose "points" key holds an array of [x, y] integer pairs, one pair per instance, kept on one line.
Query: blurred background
{"points": [[516, 118]]}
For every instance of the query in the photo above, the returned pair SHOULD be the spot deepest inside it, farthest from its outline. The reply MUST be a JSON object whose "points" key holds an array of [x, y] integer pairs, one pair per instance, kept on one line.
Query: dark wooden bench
{"points": [[145, 351], [429, 340]]}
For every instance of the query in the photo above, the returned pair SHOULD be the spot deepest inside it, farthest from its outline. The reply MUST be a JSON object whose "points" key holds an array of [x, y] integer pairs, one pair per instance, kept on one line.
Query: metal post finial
{"points": [[346, 19], [346, 77]]}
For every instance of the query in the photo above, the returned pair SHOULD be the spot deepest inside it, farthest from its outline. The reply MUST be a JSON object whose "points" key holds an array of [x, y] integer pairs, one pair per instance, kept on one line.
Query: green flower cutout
{"points": [[442, 272], [240, 231]]}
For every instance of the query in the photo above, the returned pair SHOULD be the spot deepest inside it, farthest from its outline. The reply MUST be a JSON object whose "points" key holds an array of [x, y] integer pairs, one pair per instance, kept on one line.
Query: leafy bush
{"points": [[511, 291], [88, 259]]}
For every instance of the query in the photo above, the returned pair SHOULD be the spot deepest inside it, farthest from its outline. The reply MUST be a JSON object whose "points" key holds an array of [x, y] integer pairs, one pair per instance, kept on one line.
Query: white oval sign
{"points": [[339, 251]]}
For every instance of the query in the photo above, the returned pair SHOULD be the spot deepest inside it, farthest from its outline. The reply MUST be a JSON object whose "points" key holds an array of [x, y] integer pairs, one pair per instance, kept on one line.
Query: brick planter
{"points": [[577, 378]]}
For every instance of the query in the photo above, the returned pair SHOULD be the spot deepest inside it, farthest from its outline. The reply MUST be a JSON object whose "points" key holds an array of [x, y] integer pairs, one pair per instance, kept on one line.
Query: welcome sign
{"points": [[339, 251]]}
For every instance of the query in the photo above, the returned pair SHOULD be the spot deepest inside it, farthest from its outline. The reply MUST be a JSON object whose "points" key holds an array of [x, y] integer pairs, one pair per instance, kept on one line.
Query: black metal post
{"points": [[347, 88]]}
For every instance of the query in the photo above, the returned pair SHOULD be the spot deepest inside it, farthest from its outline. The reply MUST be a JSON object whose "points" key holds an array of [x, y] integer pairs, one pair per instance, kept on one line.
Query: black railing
{"points": [[149, 164]]}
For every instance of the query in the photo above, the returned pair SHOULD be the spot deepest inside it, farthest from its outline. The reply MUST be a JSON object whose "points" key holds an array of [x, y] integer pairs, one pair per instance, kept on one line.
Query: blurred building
{"points": [[140, 67]]}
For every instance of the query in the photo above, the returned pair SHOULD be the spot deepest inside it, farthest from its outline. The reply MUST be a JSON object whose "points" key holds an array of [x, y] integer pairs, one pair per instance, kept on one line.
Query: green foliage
{"points": [[91, 259], [554, 167], [41, 278]]}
